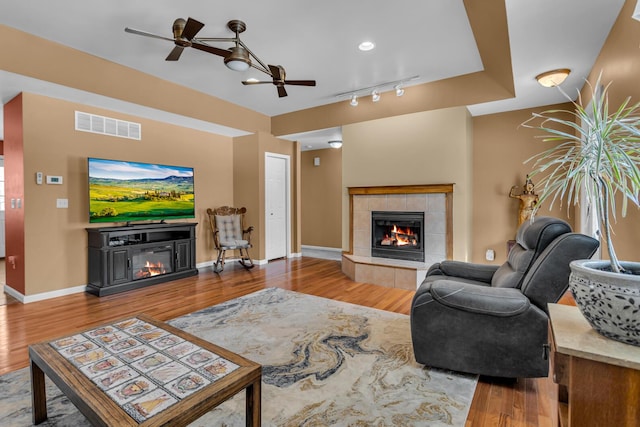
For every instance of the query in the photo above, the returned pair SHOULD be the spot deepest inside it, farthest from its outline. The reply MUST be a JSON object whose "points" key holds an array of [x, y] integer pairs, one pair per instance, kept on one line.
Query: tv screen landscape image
{"points": [[122, 191]]}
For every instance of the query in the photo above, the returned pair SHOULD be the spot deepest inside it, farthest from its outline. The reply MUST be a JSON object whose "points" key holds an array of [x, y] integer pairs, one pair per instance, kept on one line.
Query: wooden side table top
{"points": [[575, 337], [187, 382]]}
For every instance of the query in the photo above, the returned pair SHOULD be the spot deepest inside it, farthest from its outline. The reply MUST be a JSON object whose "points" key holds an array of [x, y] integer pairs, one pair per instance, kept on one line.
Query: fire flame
{"points": [[401, 237], [151, 269]]}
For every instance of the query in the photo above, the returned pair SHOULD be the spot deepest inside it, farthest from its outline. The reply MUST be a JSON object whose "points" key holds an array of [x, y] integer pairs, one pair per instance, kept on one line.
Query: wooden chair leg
{"points": [[219, 265]]}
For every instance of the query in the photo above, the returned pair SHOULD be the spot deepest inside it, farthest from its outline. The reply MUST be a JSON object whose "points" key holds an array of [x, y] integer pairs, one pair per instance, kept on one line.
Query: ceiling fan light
{"points": [[238, 59], [335, 144], [178, 27], [375, 96], [354, 100], [553, 78]]}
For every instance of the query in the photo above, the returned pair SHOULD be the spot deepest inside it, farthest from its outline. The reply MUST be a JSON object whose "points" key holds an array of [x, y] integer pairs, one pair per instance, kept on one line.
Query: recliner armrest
{"points": [[499, 302], [466, 270]]}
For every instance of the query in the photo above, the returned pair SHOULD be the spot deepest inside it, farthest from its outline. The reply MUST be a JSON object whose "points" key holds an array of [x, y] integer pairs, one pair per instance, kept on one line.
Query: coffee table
{"points": [[140, 371]]}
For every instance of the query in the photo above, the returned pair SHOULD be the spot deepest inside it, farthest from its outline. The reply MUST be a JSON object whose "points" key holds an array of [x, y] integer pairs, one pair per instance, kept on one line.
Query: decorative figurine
{"points": [[528, 200]]}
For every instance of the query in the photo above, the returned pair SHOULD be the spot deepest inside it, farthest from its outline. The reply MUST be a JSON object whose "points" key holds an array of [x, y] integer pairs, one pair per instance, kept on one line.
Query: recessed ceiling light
{"points": [[366, 45]]}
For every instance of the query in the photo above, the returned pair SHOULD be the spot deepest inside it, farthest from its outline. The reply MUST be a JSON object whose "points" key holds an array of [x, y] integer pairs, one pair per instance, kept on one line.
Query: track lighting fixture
{"points": [[376, 90]]}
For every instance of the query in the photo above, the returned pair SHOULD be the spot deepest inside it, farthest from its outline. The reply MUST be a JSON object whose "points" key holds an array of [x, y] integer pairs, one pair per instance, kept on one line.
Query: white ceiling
{"points": [[317, 40]]}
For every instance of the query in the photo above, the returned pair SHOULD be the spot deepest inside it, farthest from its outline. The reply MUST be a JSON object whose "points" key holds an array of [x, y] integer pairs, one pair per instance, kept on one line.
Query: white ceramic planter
{"points": [[610, 302]]}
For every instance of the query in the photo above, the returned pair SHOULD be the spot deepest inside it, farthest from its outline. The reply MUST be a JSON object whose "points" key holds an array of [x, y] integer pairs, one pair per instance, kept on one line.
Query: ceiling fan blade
{"points": [[191, 28], [144, 33], [281, 91], [300, 82], [275, 72], [215, 50], [255, 82], [175, 54]]}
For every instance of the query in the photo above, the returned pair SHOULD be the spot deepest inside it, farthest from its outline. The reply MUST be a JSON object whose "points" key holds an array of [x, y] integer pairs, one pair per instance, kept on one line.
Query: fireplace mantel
{"points": [[402, 189]]}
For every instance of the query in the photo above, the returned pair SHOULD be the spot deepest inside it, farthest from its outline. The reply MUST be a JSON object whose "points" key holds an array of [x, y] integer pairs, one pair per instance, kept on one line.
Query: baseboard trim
{"points": [[25, 299], [322, 248]]}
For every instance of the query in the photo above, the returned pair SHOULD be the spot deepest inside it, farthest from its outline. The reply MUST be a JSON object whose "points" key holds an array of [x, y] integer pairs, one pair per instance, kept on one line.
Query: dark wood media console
{"points": [[138, 255]]}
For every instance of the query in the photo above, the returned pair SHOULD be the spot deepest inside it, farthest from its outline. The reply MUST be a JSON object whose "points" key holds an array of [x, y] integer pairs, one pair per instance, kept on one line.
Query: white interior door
{"points": [[277, 206]]}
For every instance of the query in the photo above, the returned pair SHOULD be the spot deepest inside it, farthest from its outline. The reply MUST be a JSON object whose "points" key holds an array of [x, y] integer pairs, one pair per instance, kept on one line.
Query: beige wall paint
{"points": [[321, 198], [500, 147], [248, 174], [431, 147], [55, 239], [619, 62]]}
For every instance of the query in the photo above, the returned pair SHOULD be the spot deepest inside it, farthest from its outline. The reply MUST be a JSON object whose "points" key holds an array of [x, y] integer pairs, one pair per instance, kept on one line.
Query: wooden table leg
{"points": [[38, 394], [254, 411]]}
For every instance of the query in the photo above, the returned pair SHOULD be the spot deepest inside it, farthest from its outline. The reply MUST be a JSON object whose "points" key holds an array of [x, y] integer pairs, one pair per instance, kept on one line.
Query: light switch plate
{"points": [[62, 203]]}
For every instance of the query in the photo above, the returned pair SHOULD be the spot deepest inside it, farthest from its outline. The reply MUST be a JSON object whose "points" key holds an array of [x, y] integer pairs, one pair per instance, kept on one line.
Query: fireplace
{"points": [[397, 235], [153, 261], [136, 255]]}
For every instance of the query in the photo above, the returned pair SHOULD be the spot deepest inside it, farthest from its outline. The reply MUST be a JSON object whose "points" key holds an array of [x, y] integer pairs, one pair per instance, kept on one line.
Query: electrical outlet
{"points": [[490, 255]]}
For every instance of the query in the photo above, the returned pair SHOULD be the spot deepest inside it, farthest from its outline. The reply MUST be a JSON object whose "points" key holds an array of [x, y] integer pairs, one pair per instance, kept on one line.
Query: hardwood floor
{"points": [[522, 403]]}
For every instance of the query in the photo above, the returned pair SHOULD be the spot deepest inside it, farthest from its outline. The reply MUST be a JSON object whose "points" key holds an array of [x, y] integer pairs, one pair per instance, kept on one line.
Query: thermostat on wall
{"points": [[54, 179]]}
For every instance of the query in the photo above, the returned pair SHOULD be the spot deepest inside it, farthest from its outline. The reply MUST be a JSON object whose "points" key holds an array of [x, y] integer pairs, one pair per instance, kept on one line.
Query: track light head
{"points": [[354, 100]]}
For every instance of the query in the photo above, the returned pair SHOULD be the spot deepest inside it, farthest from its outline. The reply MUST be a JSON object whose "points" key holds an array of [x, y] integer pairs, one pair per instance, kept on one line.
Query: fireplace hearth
{"points": [[397, 235]]}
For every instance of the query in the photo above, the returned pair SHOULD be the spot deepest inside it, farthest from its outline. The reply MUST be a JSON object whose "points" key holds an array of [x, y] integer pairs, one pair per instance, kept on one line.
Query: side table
{"points": [[598, 379]]}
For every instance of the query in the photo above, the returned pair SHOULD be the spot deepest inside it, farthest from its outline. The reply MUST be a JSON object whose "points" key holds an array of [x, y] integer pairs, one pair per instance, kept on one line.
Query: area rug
{"points": [[325, 363]]}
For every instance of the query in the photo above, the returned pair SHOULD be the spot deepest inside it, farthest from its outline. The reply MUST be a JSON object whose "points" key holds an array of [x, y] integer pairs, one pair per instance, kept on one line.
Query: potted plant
{"points": [[597, 155]]}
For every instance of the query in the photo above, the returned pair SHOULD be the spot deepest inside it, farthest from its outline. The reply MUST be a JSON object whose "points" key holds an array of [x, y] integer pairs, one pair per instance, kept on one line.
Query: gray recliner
{"points": [[493, 320]]}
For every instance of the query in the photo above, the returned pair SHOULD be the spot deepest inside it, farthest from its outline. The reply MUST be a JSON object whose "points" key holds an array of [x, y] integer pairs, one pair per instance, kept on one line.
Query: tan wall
{"points": [[619, 62], [431, 147], [321, 198], [500, 147], [55, 239], [248, 174]]}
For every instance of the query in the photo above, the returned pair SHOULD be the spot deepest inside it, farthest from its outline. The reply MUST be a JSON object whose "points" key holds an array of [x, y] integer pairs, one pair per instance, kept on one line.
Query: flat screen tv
{"points": [[122, 191]]}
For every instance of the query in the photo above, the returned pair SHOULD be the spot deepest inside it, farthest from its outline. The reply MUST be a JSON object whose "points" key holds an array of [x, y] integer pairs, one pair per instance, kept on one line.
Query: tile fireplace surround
{"points": [[436, 201]]}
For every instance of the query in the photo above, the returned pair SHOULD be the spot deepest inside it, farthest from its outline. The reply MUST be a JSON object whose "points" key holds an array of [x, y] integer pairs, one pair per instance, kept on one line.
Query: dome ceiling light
{"points": [[553, 78]]}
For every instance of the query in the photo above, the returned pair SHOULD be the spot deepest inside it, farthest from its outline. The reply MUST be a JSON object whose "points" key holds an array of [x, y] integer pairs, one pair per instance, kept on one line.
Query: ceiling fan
{"points": [[237, 58], [279, 80]]}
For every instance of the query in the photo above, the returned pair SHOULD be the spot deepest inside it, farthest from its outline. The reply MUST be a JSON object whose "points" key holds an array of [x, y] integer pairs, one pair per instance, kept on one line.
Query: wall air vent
{"points": [[86, 122]]}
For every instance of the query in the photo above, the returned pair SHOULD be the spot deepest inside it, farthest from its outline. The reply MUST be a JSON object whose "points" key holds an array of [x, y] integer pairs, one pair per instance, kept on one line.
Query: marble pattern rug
{"points": [[325, 363]]}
